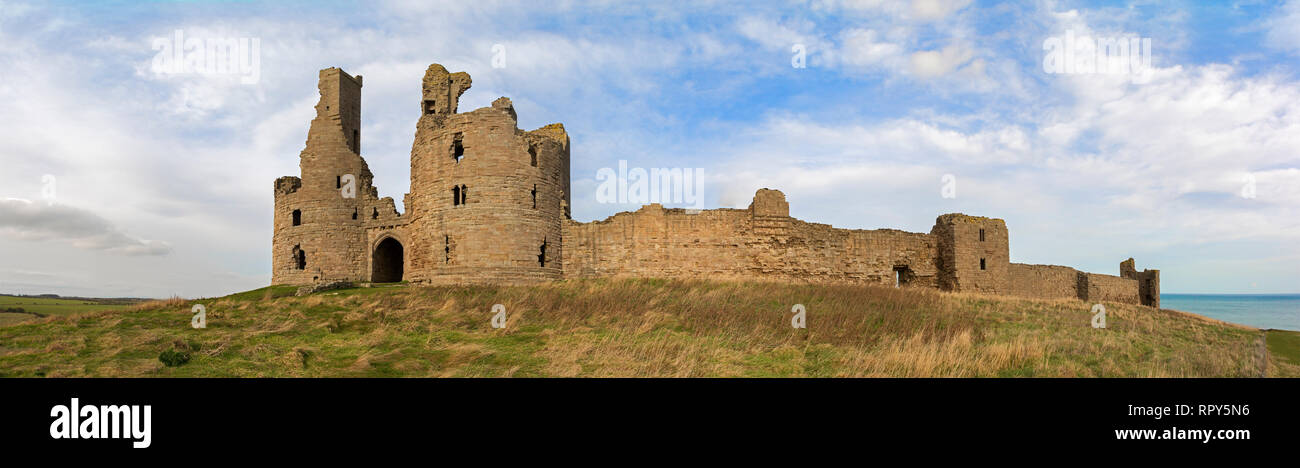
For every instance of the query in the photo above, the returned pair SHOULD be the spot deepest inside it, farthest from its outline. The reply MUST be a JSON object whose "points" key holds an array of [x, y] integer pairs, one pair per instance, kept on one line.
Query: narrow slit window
{"points": [[297, 217], [375, 214], [541, 255], [981, 235], [458, 148], [532, 154], [534, 196], [982, 264], [464, 195], [338, 181], [455, 196], [446, 249], [354, 213], [299, 258]]}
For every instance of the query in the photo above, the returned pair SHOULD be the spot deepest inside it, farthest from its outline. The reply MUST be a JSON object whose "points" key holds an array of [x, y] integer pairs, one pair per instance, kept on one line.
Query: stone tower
{"points": [[316, 228], [487, 198], [973, 253]]}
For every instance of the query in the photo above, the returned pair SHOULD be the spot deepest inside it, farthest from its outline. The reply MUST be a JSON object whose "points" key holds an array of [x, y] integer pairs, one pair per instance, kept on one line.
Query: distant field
{"points": [[635, 328], [32, 306]]}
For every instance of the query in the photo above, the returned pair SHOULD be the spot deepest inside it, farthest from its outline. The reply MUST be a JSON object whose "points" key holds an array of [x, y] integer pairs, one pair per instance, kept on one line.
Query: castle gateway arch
{"points": [[387, 261]]}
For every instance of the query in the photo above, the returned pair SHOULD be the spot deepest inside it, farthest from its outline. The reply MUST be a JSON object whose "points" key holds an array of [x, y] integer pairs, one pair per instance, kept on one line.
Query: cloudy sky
{"points": [[118, 178]]}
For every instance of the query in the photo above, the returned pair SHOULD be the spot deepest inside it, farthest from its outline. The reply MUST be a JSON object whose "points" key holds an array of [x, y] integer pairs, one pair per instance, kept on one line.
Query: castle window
{"points": [[338, 181], [981, 235], [455, 196], [297, 217], [375, 214], [534, 196], [446, 249], [981, 264], [356, 141], [541, 256], [458, 148], [464, 194], [354, 213], [299, 258], [430, 107], [532, 154]]}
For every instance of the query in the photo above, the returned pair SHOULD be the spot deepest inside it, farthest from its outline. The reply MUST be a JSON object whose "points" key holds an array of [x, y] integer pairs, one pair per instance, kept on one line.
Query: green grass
{"points": [[1284, 351], [630, 328], [34, 307]]}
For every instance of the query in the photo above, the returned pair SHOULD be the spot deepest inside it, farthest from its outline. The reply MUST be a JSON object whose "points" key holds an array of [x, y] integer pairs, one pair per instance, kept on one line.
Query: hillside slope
{"points": [[632, 328]]}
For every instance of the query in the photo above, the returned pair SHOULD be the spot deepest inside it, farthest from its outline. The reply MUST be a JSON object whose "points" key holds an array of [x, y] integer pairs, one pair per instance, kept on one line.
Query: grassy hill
{"points": [[18, 309], [636, 328]]}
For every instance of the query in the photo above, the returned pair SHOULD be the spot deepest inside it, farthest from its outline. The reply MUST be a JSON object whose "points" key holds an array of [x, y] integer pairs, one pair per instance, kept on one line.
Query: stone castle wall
{"points": [[491, 203], [1095, 287], [1043, 281], [1054, 281], [762, 242]]}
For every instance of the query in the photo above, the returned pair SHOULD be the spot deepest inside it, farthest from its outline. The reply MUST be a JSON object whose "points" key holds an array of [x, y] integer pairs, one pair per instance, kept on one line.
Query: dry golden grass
{"points": [[636, 328], [156, 304]]}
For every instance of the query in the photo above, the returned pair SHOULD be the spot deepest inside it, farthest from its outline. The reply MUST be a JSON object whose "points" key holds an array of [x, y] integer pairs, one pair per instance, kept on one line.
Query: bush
{"points": [[173, 358]]}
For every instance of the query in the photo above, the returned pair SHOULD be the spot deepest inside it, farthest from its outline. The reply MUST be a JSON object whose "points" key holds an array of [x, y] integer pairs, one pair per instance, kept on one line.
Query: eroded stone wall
{"points": [[762, 242], [1094, 287], [1148, 282], [1043, 281]]}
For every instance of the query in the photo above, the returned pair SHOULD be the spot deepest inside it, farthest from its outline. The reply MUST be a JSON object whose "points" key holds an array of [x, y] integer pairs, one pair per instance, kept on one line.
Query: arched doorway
{"points": [[386, 263]]}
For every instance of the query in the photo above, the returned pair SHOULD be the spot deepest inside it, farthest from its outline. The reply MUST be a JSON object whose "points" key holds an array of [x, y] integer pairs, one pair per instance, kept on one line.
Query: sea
{"points": [[1280, 311]]}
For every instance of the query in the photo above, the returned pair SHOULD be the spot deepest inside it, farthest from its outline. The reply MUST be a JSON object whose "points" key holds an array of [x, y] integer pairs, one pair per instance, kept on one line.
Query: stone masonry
{"points": [[489, 203]]}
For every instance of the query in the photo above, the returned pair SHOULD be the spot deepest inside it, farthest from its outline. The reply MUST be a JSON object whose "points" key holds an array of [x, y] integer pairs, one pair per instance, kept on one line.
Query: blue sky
{"points": [[163, 182]]}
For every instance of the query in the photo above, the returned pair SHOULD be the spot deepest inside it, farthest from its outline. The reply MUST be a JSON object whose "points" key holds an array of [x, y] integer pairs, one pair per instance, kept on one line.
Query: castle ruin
{"points": [[489, 203]]}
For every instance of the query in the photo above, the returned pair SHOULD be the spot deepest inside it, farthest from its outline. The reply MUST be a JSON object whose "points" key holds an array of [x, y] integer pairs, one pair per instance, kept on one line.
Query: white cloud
{"points": [[931, 10], [936, 63], [866, 48], [28, 221], [918, 10], [1283, 29]]}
